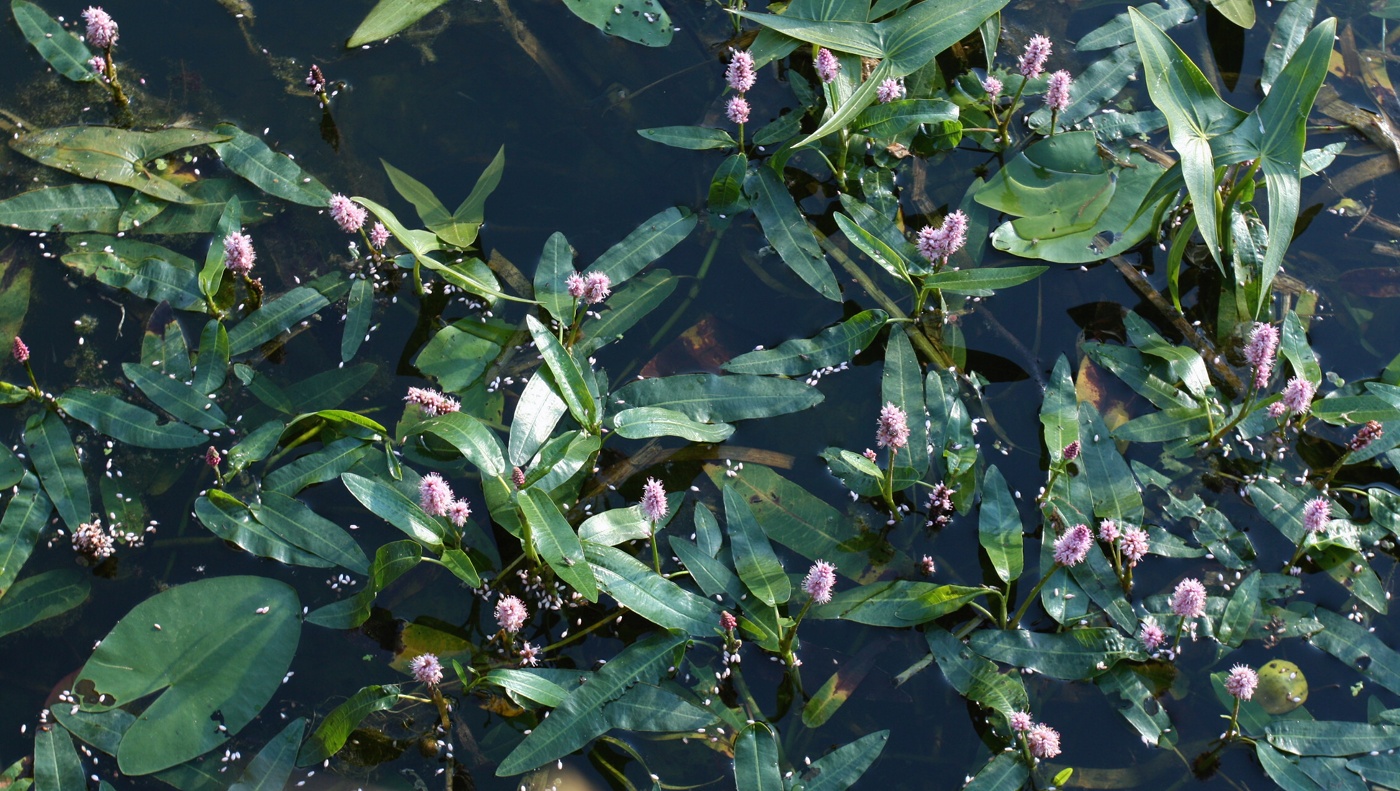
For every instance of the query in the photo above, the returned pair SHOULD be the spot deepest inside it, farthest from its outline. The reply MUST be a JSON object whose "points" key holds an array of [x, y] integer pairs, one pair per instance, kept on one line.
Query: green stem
{"points": [[1016, 621], [1004, 125], [655, 552]]}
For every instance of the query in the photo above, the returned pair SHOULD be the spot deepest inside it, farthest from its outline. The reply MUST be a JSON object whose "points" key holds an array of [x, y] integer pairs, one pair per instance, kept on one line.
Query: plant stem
{"points": [[1016, 621]]}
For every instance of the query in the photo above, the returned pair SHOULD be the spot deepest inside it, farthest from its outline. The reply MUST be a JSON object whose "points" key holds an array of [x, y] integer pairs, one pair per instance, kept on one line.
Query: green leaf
{"points": [[528, 683], [557, 543], [726, 195], [627, 306], [477, 443], [536, 414], [1059, 413], [658, 709], [897, 603], [1353, 644], [230, 520], [567, 373], [294, 522], [391, 561], [116, 156], [650, 421], [1005, 772], [163, 647], [551, 278], [335, 729], [902, 384], [42, 596], [1119, 30], [211, 367], [471, 213], [394, 507], [1142, 710], [651, 240], [894, 118], [126, 423], [968, 281], [146, 270], [708, 398], [1289, 31], [459, 353], [640, 21], [756, 759], [1111, 483], [273, 173], [1195, 114], [754, 559], [56, 461], [272, 767], [178, 399], [1240, 612], [75, 208], [839, 769], [318, 467], [832, 346], [579, 718], [999, 527], [358, 311], [59, 46], [787, 230], [389, 17], [695, 138], [829, 698], [1311, 737], [274, 318], [613, 527], [875, 248], [57, 766], [25, 517], [1069, 656], [648, 594]]}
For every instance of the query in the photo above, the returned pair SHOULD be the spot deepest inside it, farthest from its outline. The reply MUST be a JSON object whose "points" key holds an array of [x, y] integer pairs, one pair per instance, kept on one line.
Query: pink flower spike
{"points": [[315, 80], [511, 613], [1242, 682], [1044, 741], [740, 74], [727, 621], [529, 654], [1298, 395], [459, 512], [1260, 350], [99, 66], [1189, 598], [1108, 531], [430, 402], [379, 236], [426, 669], [434, 495], [212, 457], [1057, 93], [1134, 544], [937, 244], [892, 429], [1365, 435], [993, 87], [654, 505], [238, 253], [926, 566], [737, 110], [820, 582], [1021, 721], [827, 65], [576, 285], [1317, 514], [349, 215], [1072, 547], [596, 287], [1032, 63], [19, 350], [890, 90], [101, 28], [1152, 635]]}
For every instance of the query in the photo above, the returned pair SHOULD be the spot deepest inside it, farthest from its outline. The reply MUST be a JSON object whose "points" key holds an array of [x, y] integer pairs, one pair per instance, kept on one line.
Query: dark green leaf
{"points": [[536, 414], [294, 522], [116, 156], [999, 527], [1070, 656], [648, 594], [56, 461], [567, 373], [25, 516], [651, 240], [788, 232], [708, 398], [57, 766], [557, 542], [756, 759], [272, 767], [75, 208], [273, 173], [651, 421], [274, 318], [331, 734], [1303, 737], [551, 276], [645, 23], [758, 566], [42, 596], [695, 138], [842, 767], [1005, 772], [56, 44], [389, 17], [125, 422], [358, 312], [178, 399], [230, 520]]}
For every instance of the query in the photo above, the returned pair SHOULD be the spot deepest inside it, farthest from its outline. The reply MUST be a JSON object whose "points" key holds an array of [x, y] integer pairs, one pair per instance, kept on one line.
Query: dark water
{"points": [[438, 107]]}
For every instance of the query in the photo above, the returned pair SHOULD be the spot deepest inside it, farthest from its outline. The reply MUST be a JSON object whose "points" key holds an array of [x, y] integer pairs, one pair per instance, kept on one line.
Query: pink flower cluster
{"points": [[892, 429], [591, 288], [1317, 514], [1260, 350], [430, 402], [511, 613], [1032, 62], [827, 65], [741, 74], [1072, 547], [1057, 92], [654, 506], [937, 244], [349, 215], [101, 28], [426, 669], [239, 254], [820, 582], [19, 350], [889, 91], [1242, 682], [1189, 598], [436, 499]]}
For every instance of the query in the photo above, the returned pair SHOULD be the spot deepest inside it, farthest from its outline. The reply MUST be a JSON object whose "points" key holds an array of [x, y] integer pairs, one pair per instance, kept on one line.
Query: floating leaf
{"points": [[1305, 737], [230, 520], [999, 527], [73, 208], [788, 232], [567, 373], [56, 44], [358, 311], [56, 461], [294, 522], [648, 594], [57, 766], [163, 647], [125, 422], [551, 278], [146, 270], [758, 566], [1005, 772], [708, 398], [650, 421], [116, 156], [272, 767], [640, 21], [25, 517], [331, 734], [274, 318], [1070, 656], [536, 414], [391, 561], [756, 759], [273, 173], [842, 767], [557, 542], [695, 138], [579, 718], [832, 346], [394, 507], [42, 596], [648, 242], [627, 306], [389, 17]]}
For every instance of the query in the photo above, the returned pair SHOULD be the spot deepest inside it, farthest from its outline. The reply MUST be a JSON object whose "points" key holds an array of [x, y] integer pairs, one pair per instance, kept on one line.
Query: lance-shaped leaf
{"points": [[336, 728], [57, 766], [229, 519], [1303, 737], [477, 443], [627, 306], [999, 527], [116, 156], [125, 422], [212, 651], [73, 207], [557, 542], [1005, 772], [537, 412], [756, 759], [719, 399], [25, 517], [391, 561], [274, 318], [651, 421], [395, 507], [648, 594], [1195, 114], [1070, 656], [567, 374], [754, 559], [1111, 483], [273, 173], [551, 278], [358, 311], [788, 232], [902, 384], [56, 461], [648, 242], [642, 21], [580, 718], [272, 766], [832, 346], [389, 17], [178, 399], [58, 45], [839, 769], [294, 522], [42, 596]]}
